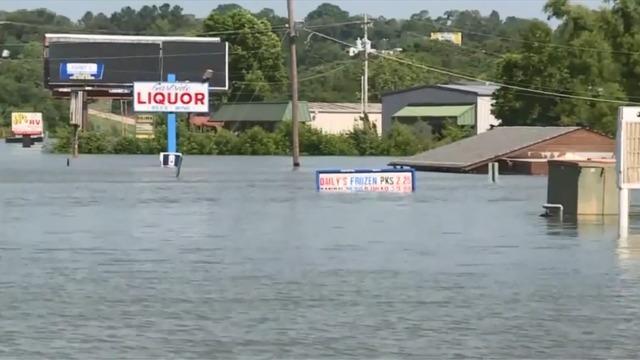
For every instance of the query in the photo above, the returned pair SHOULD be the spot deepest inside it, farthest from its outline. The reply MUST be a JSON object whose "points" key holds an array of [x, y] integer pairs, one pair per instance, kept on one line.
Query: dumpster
{"points": [[582, 187]]}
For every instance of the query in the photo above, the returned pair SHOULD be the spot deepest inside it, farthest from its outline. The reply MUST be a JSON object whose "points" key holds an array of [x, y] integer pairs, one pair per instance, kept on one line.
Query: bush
{"points": [[256, 141], [366, 141], [400, 141], [198, 143], [225, 141], [126, 145], [94, 143]]}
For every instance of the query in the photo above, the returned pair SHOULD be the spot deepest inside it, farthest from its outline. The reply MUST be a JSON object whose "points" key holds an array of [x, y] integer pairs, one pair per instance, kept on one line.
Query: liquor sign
{"points": [[23, 123], [628, 147], [170, 97], [369, 180]]}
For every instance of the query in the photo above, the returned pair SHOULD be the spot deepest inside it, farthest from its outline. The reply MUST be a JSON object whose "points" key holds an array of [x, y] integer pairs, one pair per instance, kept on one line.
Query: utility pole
{"points": [[295, 151], [365, 92]]}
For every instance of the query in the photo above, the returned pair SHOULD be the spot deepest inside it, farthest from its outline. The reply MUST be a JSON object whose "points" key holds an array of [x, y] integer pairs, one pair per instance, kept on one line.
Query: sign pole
{"points": [[171, 124], [623, 213]]}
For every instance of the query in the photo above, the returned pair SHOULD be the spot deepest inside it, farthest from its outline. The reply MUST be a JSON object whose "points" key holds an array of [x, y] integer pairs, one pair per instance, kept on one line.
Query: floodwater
{"points": [[242, 259]]}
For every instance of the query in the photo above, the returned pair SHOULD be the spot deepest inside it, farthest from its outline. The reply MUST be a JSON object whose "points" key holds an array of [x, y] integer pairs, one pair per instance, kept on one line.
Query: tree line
{"points": [[592, 54], [258, 55], [401, 140]]}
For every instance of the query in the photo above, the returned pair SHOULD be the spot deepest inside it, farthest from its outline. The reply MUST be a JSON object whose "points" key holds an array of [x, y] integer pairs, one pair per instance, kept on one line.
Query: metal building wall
{"points": [[393, 102], [484, 118]]}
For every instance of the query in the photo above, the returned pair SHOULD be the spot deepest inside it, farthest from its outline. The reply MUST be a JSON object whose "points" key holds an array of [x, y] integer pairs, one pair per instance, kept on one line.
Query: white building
{"points": [[339, 118]]}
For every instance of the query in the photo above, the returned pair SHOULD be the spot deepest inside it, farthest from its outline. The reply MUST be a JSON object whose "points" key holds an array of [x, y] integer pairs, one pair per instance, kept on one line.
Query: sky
{"points": [[74, 9]]}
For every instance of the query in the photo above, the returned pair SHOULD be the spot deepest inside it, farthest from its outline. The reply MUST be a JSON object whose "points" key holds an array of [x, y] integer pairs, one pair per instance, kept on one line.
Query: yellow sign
{"points": [[454, 37], [144, 126]]}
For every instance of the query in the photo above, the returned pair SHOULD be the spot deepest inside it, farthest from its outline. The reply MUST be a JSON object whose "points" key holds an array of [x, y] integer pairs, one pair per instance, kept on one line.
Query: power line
{"points": [[451, 73], [302, 79], [474, 78], [568, 47]]}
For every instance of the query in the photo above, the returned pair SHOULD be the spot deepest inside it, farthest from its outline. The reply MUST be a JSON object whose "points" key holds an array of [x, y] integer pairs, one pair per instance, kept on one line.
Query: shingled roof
{"points": [[483, 148]]}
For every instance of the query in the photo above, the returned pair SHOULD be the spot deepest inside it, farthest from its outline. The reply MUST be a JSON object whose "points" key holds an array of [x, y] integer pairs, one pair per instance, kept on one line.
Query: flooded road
{"points": [[242, 259]]}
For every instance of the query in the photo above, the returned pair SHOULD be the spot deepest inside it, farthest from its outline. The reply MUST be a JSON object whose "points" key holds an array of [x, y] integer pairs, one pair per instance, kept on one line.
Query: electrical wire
{"points": [[474, 78], [561, 46]]}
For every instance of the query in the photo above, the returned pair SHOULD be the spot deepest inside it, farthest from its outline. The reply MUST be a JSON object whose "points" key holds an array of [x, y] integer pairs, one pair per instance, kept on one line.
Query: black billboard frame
{"points": [[123, 89]]}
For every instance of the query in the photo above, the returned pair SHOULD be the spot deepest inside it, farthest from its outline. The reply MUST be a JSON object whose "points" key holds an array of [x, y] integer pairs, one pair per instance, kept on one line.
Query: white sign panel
{"points": [[170, 97], [628, 147], [23, 123], [385, 180]]}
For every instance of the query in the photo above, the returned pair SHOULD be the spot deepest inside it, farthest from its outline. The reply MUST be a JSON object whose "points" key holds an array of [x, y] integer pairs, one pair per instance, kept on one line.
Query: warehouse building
{"points": [[468, 105]]}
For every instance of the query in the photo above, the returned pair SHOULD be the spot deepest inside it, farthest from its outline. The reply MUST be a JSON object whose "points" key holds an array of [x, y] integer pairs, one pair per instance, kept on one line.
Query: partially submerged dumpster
{"points": [[582, 187]]}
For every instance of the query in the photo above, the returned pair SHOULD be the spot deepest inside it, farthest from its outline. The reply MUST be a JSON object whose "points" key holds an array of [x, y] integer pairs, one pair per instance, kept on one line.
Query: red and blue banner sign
{"points": [[366, 180]]}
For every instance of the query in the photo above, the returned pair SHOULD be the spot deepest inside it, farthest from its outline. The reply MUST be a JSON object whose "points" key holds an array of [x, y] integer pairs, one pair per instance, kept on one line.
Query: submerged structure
{"points": [[517, 149]]}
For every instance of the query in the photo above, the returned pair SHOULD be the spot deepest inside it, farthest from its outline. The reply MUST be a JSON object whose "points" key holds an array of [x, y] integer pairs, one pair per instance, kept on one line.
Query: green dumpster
{"points": [[583, 187]]}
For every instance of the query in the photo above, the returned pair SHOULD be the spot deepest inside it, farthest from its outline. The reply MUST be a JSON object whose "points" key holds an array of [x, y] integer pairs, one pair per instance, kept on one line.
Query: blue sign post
{"points": [[171, 124], [172, 158]]}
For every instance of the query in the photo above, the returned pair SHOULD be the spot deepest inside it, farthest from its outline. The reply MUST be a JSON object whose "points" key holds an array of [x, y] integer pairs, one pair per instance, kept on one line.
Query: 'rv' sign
{"points": [[23, 123], [170, 97]]}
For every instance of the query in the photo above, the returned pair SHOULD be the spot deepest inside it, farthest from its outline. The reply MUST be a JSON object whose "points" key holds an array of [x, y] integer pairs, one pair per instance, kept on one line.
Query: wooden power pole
{"points": [[295, 113], [365, 85]]}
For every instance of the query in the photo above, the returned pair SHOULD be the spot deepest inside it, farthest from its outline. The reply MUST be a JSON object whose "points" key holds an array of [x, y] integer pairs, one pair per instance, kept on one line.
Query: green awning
{"points": [[465, 114]]}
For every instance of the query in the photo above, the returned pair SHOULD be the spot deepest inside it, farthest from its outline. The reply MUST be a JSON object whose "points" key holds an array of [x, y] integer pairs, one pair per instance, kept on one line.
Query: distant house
{"points": [[242, 116], [517, 149], [338, 118], [465, 104]]}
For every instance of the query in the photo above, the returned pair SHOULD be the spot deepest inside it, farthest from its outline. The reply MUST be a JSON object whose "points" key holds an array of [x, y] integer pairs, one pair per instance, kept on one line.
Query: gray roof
{"points": [[481, 90], [473, 151], [344, 107]]}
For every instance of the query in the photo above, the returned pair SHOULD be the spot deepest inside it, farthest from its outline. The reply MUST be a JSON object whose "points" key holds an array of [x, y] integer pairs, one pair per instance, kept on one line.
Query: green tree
{"points": [[539, 66], [255, 53]]}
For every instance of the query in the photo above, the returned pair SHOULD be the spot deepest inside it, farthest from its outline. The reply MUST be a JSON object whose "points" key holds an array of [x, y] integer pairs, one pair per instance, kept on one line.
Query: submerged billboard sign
{"points": [[170, 97], [377, 180], [26, 123]]}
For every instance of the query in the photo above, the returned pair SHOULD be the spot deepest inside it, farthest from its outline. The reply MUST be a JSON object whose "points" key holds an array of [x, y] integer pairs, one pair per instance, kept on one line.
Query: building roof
{"points": [[344, 107], [478, 89], [474, 151], [259, 111], [481, 90]]}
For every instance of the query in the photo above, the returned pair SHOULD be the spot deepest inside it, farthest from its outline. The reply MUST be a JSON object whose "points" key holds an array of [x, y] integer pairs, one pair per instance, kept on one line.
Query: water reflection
{"points": [[629, 248], [583, 226]]}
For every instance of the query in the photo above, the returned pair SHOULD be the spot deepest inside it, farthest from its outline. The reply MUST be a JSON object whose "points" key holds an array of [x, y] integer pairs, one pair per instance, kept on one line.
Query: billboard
{"points": [[27, 123], [377, 180], [116, 62], [144, 126], [170, 97], [628, 147], [454, 37]]}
